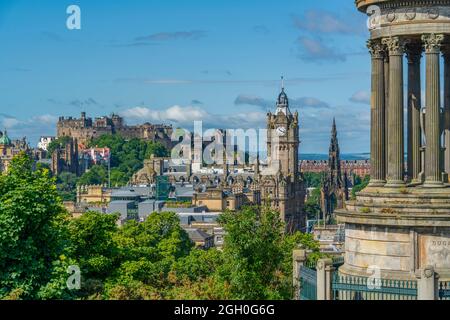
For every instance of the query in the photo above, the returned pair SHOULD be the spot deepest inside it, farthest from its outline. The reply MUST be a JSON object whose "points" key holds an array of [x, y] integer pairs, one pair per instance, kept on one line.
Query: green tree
{"points": [[32, 230], [97, 174], [159, 237], [147, 252], [127, 157], [257, 255], [57, 143], [312, 205], [358, 187], [92, 244], [66, 183], [313, 179], [198, 265]]}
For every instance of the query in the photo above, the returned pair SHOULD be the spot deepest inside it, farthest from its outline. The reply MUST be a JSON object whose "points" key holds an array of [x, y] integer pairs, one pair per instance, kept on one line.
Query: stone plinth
{"points": [[399, 231]]}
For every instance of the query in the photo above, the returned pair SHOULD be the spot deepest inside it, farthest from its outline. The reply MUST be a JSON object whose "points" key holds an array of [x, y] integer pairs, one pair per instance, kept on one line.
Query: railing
{"points": [[338, 261], [308, 282], [363, 288], [444, 290]]}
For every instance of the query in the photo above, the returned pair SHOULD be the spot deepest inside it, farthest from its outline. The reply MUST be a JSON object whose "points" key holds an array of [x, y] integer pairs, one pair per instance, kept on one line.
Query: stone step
{"points": [[391, 208]]}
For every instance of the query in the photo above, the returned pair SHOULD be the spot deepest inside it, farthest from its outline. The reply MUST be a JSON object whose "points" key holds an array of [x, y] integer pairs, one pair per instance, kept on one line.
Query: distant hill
{"points": [[349, 156]]}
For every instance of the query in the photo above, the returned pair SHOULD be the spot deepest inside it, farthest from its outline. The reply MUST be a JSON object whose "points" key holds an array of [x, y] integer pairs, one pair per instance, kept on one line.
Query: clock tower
{"points": [[283, 137], [282, 186]]}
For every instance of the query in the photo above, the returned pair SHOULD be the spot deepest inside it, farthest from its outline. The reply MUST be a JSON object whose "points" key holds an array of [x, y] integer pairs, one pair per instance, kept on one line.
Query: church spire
{"points": [[334, 156], [334, 144], [257, 165]]}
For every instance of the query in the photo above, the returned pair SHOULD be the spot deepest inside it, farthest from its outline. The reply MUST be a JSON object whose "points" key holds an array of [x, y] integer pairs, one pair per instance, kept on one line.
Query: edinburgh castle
{"points": [[86, 129]]}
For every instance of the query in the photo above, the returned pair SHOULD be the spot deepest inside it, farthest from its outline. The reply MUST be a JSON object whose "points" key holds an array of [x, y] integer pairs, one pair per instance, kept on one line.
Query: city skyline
{"points": [[150, 62]]}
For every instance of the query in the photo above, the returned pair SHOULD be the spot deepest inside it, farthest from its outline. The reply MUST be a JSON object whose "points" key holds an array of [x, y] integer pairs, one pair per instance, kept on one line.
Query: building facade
{"points": [[44, 142], [350, 167], [65, 158], [10, 148]]}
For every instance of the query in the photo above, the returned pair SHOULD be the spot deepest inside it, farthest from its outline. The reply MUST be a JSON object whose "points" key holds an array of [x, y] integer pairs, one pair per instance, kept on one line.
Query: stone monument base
{"points": [[397, 231]]}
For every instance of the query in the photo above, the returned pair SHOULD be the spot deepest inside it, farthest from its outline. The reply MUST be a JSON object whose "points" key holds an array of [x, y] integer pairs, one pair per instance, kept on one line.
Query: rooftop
{"points": [[197, 235]]}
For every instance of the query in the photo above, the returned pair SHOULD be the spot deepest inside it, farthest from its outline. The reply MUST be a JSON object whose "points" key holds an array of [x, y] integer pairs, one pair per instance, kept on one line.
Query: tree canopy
{"points": [[127, 157], [154, 259], [32, 229], [57, 143]]}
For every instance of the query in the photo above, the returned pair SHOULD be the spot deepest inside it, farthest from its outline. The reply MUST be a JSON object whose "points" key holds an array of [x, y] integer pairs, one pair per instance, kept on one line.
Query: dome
{"points": [[283, 104], [5, 140], [283, 99]]}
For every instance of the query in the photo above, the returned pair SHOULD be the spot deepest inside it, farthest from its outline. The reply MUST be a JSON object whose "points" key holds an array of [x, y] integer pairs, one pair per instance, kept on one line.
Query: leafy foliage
{"points": [[257, 254], [312, 204], [313, 179], [127, 158], [66, 183], [57, 143], [32, 229], [91, 238], [150, 260], [96, 175], [360, 184]]}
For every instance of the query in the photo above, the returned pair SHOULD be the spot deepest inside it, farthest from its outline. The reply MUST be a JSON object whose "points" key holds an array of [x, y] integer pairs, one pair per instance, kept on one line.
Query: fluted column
{"points": [[414, 54], [396, 157], [433, 174], [377, 143], [386, 108], [446, 54]]}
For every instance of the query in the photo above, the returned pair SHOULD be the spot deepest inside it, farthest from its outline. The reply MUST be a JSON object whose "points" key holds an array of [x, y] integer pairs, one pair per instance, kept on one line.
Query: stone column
{"points": [[386, 108], [433, 174], [298, 260], [427, 284], [446, 54], [396, 157], [324, 271], [414, 54], [377, 144]]}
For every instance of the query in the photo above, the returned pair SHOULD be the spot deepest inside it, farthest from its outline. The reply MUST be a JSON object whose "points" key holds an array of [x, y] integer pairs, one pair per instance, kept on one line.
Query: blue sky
{"points": [[178, 61]]}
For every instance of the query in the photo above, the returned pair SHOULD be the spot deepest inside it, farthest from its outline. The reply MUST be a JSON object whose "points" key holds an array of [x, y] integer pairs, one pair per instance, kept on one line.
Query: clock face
{"points": [[281, 131]]}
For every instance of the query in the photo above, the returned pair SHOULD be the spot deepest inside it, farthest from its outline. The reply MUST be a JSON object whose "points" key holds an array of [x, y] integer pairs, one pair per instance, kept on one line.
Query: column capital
{"points": [[376, 49], [414, 52], [432, 42], [395, 45]]}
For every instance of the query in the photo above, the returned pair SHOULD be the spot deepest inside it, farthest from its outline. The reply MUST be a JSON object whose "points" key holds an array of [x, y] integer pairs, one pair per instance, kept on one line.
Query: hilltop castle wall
{"points": [[85, 129]]}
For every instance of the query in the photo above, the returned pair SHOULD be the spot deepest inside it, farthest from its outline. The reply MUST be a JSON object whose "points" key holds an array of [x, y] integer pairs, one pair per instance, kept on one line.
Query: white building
{"points": [[44, 142]]}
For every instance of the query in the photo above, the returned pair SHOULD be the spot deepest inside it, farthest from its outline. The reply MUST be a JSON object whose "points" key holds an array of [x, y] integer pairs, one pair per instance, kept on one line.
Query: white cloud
{"points": [[9, 123], [323, 22], [175, 114], [185, 116], [31, 128], [315, 123], [315, 50], [361, 97]]}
